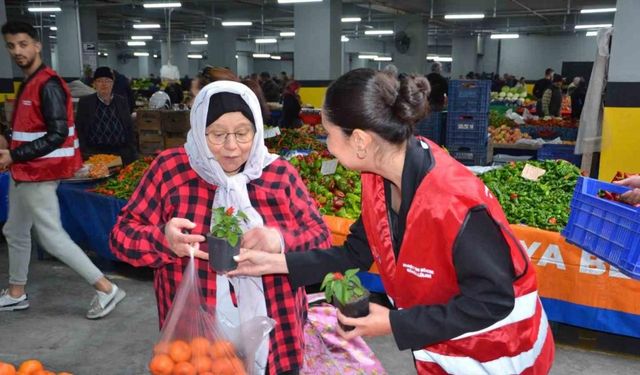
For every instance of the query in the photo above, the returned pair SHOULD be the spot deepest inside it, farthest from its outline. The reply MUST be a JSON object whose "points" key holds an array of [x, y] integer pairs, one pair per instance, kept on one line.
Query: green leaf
{"points": [[328, 294], [338, 290], [328, 278], [351, 272], [232, 238]]}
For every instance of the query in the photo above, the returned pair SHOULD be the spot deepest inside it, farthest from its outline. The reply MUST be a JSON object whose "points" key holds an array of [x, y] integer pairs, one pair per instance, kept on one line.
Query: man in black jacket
{"points": [[540, 87], [103, 122]]}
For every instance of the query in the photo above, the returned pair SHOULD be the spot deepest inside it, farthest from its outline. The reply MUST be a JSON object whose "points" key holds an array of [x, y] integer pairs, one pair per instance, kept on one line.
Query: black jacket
{"points": [[86, 118], [290, 112], [540, 87], [53, 106], [439, 87]]}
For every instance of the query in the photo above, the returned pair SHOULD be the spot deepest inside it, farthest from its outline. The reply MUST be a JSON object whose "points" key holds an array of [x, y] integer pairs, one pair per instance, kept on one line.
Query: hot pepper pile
{"points": [[123, 185], [337, 194], [293, 139], [542, 204]]}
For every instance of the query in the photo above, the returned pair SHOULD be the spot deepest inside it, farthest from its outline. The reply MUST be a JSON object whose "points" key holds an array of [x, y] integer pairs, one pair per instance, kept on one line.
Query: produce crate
{"points": [[469, 154], [564, 152], [175, 121], [151, 148], [466, 128], [433, 127], [148, 120], [171, 142], [150, 136], [550, 132], [469, 95], [607, 229]]}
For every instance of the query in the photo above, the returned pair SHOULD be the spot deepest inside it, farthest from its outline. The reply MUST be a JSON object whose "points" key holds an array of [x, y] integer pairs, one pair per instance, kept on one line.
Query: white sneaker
{"points": [[103, 303], [8, 303]]}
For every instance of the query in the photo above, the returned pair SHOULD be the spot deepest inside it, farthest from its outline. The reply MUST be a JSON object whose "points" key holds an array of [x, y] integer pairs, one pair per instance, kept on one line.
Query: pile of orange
{"points": [[28, 367], [196, 357]]}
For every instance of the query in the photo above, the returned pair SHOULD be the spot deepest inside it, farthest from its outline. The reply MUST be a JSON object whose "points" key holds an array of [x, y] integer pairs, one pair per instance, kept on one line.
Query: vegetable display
{"points": [[542, 204], [123, 185], [293, 139]]}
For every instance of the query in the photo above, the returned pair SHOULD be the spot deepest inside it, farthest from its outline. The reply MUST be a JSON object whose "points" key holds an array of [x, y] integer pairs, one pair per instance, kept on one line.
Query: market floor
{"points": [[55, 331]]}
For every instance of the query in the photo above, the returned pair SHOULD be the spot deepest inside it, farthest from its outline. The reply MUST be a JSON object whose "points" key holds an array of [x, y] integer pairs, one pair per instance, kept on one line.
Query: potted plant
{"points": [[347, 294], [224, 240]]}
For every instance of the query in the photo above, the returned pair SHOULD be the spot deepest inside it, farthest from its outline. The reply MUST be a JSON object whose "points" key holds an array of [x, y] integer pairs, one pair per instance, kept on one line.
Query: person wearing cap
{"points": [[552, 98], [224, 163], [103, 121]]}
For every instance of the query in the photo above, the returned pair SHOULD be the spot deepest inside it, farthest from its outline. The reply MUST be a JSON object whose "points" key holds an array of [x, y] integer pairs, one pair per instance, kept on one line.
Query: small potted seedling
{"points": [[347, 294], [224, 239]]}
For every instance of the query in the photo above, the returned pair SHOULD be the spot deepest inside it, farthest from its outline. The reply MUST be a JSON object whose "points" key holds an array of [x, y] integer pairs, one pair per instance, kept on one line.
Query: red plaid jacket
{"points": [[170, 188]]}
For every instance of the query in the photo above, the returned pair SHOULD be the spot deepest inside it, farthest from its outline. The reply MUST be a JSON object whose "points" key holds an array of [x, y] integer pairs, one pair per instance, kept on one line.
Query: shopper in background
{"points": [[270, 89], [552, 98], [540, 87], [464, 288], [439, 88], [521, 83], [578, 93], [104, 123], [122, 87], [631, 197], [291, 106], [43, 150], [224, 164], [255, 87]]}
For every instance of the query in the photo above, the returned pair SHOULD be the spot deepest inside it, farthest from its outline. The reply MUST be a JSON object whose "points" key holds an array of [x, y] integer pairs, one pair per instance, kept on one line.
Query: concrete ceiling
{"points": [[115, 17]]}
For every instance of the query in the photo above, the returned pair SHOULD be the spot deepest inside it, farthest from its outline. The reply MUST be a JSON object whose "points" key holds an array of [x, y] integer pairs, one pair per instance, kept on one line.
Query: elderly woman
{"points": [[224, 163]]}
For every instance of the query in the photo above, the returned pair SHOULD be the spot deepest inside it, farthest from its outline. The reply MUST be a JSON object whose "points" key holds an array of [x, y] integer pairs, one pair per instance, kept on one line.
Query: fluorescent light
{"points": [[146, 26], [194, 56], [274, 57], [53, 28], [105, 54], [237, 23], [52, 15], [134, 44], [236, 56], [297, 1], [199, 42], [378, 32], [463, 16], [162, 5], [52, 36], [432, 57], [141, 54], [351, 19], [505, 36], [155, 56], [367, 57], [443, 59], [344, 39], [591, 33], [141, 37], [287, 33], [383, 58], [261, 55], [44, 9], [597, 26], [598, 10], [266, 40], [206, 35]]}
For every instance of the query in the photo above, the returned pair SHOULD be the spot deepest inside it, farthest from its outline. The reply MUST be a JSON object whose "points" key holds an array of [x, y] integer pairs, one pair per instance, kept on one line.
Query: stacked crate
{"points": [[433, 127], [468, 121], [175, 126], [161, 129]]}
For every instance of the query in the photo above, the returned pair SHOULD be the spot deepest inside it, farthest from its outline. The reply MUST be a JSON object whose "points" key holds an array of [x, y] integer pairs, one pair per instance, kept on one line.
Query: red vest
{"points": [[424, 273], [28, 125]]}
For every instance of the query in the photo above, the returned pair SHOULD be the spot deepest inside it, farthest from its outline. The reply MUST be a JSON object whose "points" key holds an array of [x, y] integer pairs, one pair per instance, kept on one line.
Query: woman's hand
{"points": [[263, 238], [258, 263], [631, 197], [377, 323], [182, 243]]}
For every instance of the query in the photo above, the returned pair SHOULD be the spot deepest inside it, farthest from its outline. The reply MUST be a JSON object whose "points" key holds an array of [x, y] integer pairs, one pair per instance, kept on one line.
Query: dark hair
{"points": [[371, 100], [19, 27], [548, 71], [557, 78]]}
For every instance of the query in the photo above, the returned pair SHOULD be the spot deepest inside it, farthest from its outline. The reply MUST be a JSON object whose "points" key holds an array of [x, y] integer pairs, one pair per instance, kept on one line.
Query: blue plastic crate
{"points": [[466, 128], [469, 95], [433, 127], [4, 196], [469, 154], [607, 229], [564, 152]]}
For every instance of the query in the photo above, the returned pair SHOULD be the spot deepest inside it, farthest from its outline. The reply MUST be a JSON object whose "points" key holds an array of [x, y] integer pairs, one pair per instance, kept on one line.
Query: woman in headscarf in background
{"points": [[224, 164], [291, 105]]}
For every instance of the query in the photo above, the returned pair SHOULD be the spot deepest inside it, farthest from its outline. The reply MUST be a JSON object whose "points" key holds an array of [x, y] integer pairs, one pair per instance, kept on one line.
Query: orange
{"points": [[161, 348], [161, 364], [200, 346], [184, 368], [43, 372], [236, 366], [221, 349], [202, 363], [206, 373], [65, 373], [30, 366], [180, 351], [7, 369], [228, 366]]}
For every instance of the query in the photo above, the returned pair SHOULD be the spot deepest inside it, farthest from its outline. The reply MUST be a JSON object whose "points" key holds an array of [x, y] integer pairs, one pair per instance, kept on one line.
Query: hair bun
{"points": [[412, 104]]}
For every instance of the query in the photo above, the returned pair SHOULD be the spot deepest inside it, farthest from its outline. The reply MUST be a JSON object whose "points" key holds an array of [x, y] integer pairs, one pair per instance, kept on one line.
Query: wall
{"points": [[274, 67], [463, 51]]}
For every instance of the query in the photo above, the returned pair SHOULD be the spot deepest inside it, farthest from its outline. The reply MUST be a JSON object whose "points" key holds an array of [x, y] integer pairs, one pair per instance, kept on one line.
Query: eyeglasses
{"points": [[221, 138]]}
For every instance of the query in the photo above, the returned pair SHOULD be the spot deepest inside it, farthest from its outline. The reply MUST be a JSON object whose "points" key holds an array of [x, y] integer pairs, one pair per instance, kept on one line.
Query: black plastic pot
{"points": [[221, 254], [354, 309]]}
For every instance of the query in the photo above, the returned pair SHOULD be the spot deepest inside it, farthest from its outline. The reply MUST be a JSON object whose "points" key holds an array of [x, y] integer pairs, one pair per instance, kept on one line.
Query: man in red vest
{"points": [[43, 150]]}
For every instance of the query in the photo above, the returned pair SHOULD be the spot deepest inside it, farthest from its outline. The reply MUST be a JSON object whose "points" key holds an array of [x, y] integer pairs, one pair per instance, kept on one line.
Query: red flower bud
{"points": [[337, 276], [229, 211]]}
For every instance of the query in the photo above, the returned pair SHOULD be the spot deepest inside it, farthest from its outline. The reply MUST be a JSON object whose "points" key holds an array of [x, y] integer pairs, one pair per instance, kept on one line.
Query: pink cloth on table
{"points": [[326, 353]]}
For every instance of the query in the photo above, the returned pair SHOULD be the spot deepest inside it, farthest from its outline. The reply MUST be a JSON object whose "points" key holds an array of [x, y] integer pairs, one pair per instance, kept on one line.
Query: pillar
{"points": [[179, 51], [414, 60], [221, 50], [69, 51], [6, 69], [621, 123], [143, 66], [317, 46], [89, 37]]}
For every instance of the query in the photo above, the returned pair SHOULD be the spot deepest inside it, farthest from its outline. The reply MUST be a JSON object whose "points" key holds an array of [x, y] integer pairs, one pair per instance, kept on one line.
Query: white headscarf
{"points": [[232, 192]]}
